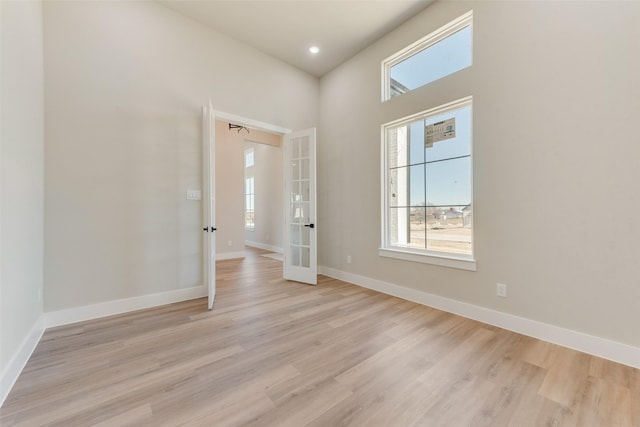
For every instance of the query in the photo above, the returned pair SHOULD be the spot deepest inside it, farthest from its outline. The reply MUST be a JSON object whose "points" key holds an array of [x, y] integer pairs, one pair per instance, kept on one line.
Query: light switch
{"points": [[194, 195]]}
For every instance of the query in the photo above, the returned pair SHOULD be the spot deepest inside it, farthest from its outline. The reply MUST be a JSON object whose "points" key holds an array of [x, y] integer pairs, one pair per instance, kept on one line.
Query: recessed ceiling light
{"points": [[314, 49]]}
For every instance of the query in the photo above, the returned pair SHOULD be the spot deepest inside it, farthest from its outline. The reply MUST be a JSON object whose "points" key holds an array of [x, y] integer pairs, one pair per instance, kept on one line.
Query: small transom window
{"points": [[443, 52]]}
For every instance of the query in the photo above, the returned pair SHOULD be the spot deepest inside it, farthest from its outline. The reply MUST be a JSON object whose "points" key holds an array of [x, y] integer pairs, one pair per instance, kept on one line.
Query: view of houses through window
{"points": [[428, 176]]}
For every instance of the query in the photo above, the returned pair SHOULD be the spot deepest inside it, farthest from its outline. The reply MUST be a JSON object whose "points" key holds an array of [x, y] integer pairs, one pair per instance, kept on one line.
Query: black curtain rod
{"points": [[239, 127]]}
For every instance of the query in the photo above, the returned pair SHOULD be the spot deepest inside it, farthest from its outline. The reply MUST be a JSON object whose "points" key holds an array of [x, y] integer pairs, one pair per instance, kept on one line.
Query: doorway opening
{"points": [[290, 199], [249, 189], [263, 194]]}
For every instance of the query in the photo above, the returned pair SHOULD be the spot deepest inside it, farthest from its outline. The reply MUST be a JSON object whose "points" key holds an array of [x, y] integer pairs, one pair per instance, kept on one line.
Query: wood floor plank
{"points": [[383, 360], [604, 403], [514, 384], [131, 417], [232, 402], [278, 353], [457, 403], [397, 408], [567, 378], [304, 403]]}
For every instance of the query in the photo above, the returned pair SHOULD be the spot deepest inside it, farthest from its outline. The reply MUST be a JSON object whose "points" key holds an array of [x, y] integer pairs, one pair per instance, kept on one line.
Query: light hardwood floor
{"points": [[276, 353]]}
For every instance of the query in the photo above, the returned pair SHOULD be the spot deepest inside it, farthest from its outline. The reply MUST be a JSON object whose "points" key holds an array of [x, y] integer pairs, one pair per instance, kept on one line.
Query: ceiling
{"points": [[285, 29]]}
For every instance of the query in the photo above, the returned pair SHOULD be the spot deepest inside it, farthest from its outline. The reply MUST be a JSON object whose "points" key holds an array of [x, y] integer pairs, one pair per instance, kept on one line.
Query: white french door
{"points": [[209, 201], [300, 228]]}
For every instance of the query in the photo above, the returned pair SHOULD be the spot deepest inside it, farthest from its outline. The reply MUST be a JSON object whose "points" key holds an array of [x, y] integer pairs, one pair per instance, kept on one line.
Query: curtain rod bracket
{"points": [[239, 127]]}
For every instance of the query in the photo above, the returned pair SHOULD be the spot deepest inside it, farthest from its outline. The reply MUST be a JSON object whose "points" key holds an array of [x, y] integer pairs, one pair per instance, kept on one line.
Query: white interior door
{"points": [[300, 228], [209, 200]]}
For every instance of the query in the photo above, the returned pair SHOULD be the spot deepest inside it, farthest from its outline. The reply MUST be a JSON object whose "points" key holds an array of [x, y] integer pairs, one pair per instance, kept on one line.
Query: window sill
{"points": [[249, 229], [451, 261]]}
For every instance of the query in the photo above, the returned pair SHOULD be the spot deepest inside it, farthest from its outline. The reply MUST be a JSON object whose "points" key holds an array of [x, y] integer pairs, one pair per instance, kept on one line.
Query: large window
{"points": [[443, 52], [427, 194]]}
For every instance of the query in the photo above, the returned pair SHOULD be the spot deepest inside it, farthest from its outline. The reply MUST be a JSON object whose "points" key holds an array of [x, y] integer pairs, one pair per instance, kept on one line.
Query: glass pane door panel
{"points": [[304, 190], [304, 168], [295, 234], [295, 169], [296, 196], [304, 257], [300, 213], [295, 255], [296, 213], [304, 212], [305, 232], [304, 147], [295, 148]]}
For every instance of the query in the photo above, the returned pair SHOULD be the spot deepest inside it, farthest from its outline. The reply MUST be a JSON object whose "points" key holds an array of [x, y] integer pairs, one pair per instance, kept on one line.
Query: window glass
{"points": [[248, 158], [439, 54], [428, 194], [439, 60]]}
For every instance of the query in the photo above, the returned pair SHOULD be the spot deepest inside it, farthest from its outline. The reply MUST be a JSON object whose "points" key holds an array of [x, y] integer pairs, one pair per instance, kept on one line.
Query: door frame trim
{"points": [[250, 123]]}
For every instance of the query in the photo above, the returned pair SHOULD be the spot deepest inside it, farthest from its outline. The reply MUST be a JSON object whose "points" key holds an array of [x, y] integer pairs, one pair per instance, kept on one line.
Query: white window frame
{"points": [[460, 261], [424, 43]]}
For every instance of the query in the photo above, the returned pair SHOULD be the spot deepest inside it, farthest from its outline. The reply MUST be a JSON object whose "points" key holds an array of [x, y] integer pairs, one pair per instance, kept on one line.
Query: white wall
{"points": [[124, 85], [556, 162], [269, 185], [22, 170]]}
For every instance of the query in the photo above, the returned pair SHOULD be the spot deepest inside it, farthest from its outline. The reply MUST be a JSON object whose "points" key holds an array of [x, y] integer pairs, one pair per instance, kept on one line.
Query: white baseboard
{"points": [[601, 347], [229, 255], [20, 358], [109, 308], [263, 246]]}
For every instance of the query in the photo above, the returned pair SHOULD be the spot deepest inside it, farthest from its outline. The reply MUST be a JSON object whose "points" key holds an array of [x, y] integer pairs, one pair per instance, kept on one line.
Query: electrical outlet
{"points": [[348, 259], [229, 243], [194, 195], [39, 294], [267, 238], [501, 290]]}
